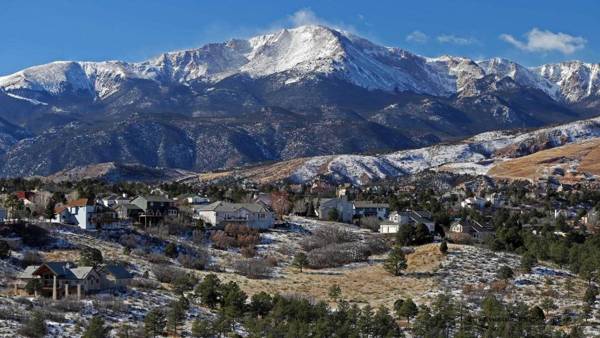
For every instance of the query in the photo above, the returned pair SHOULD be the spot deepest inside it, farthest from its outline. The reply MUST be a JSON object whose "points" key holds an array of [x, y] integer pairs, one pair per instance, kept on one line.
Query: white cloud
{"points": [[547, 41], [417, 36], [456, 40], [305, 17]]}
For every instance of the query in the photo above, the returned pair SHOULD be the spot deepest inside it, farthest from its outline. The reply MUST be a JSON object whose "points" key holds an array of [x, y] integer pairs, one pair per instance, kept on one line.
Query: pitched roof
{"points": [[156, 198], [28, 272], [369, 204], [128, 206], [81, 202], [231, 207], [82, 272], [63, 270], [118, 271]]}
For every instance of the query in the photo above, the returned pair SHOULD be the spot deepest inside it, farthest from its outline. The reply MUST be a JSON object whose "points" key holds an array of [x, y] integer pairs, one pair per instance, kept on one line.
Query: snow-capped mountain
{"points": [[305, 91], [302, 53]]}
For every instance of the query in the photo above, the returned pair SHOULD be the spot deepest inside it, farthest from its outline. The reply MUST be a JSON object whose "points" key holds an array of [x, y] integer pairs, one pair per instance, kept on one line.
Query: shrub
{"points": [[4, 250], [192, 262], [252, 268], [166, 274], [156, 258], [31, 258], [248, 252], [35, 326], [96, 329], [327, 235], [235, 235], [337, 254], [171, 250]]}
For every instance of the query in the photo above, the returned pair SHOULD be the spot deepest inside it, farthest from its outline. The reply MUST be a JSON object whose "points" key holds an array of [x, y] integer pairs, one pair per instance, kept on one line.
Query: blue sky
{"points": [[528, 31]]}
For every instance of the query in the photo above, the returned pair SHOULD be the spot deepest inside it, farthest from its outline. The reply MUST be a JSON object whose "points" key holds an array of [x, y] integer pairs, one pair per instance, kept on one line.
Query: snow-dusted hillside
{"points": [[474, 155], [303, 53]]}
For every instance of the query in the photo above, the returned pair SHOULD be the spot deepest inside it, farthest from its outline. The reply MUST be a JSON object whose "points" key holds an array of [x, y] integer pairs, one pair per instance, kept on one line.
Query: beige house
{"points": [[63, 279], [253, 215]]}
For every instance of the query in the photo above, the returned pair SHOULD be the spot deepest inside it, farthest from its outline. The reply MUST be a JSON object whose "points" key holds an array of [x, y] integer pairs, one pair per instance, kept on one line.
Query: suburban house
{"points": [[473, 202], [155, 208], [219, 213], [62, 279], [192, 199], [128, 211], [26, 197], [85, 214], [370, 209], [114, 200], [470, 229], [413, 217], [341, 205]]}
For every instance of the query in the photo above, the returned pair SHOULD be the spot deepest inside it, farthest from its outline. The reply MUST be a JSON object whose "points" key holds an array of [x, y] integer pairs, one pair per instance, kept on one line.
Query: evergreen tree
{"points": [[505, 273], [528, 261], [49, 210], [171, 250], [89, 256], [4, 250], [396, 261], [408, 310], [96, 329], [444, 247], [300, 261], [334, 292], [261, 303], [422, 234], [154, 323], [233, 300], [35, 326], [176, 315], [202, 329], [208, 290], [405, 235]]}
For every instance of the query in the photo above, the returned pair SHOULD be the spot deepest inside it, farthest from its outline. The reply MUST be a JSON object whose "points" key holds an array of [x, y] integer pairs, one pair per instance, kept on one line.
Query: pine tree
{"points": [[96, 329], [208, 290], [49, 211], [396, 261], [171, 250], [444, 247], [405, 235], [408, 310], [154, 323], [176, 315], [335, 292], [89, 256], [4, 250], [300, 260], [35, 326], [202, 329]]}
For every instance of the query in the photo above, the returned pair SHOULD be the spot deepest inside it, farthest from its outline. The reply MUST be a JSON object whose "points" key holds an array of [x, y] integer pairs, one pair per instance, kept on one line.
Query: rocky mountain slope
{"points": [[475, 155], [299, 92]]}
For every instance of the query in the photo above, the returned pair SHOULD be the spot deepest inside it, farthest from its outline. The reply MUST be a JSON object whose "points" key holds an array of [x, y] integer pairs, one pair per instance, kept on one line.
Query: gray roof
{"points": [[118, 271], [82, 272], [156, 198], [369, 204], [230, 207], [27, 273], [128, 206]]}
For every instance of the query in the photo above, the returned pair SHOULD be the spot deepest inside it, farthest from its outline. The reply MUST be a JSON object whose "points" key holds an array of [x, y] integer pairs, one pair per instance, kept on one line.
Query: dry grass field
{"points": [[362, 283], [573, 159]]}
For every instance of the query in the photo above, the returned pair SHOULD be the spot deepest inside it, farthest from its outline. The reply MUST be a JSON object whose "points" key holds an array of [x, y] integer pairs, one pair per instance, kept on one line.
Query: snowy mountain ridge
{"points": [[475, 155], [307, 52]]}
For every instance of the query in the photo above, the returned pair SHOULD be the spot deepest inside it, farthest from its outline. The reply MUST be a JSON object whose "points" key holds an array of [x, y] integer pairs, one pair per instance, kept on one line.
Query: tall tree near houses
{"points": [[280, 202], [49, 211], [396, 261]]}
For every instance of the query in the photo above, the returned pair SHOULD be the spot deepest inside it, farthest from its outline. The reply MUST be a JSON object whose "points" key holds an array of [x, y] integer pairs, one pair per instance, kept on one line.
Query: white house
{"points": [[412, 217], [473, 202], [389, 228], [221, 213], [85, 214], [112, 201], [192, 199], [471, 228]]}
